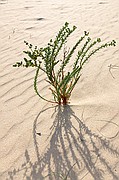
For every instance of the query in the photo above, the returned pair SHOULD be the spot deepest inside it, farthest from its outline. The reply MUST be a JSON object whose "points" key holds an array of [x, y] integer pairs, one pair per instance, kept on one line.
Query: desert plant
{"points": [[46, 59]]}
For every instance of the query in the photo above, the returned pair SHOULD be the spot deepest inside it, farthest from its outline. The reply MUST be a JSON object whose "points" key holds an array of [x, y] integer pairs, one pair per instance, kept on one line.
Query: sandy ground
{"points": [[82, 138]]}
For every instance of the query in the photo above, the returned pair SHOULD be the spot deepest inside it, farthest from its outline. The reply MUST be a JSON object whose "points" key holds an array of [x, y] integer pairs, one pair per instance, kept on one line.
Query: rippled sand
{"points": [[85, 133]]}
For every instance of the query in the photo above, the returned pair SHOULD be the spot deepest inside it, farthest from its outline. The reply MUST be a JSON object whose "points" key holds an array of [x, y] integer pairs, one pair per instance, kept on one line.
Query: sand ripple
{"points": [[97, 91]]}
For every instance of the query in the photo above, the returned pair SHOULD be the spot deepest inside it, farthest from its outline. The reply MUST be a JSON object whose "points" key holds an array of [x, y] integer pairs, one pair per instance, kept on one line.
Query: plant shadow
{"points": [[73, 151]]}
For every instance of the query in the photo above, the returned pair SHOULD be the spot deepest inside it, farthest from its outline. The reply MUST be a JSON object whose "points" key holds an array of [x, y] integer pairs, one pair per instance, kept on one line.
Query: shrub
{"points": [[46, 59]]}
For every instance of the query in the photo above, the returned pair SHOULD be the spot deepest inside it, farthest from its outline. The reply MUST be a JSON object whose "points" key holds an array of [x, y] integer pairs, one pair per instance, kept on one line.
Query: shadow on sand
{"points": [[73, 151]]}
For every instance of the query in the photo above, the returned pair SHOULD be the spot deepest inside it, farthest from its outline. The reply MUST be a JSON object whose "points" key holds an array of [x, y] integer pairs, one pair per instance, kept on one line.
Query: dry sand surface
{"points": [[82, 137]]}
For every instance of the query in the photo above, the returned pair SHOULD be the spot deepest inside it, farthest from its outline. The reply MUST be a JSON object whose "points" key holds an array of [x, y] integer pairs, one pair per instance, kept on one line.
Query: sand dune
{"points": [[82, 137]]}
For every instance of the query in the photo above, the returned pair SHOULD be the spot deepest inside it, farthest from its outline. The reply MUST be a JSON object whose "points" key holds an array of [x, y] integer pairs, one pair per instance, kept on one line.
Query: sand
{"points": [[83, 137]]}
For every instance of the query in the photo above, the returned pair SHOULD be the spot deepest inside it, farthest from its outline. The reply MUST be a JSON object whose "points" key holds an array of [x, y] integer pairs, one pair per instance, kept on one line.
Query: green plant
{"points": [[46, 59]]}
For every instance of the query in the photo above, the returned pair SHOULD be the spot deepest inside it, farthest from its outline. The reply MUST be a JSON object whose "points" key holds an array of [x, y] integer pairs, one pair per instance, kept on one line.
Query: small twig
{"points": [[111, 123], [112, 67], [70, 170]]}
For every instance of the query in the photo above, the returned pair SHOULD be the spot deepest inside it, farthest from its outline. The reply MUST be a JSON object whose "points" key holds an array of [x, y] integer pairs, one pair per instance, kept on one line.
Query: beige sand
{"points": [[85, 133]]}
